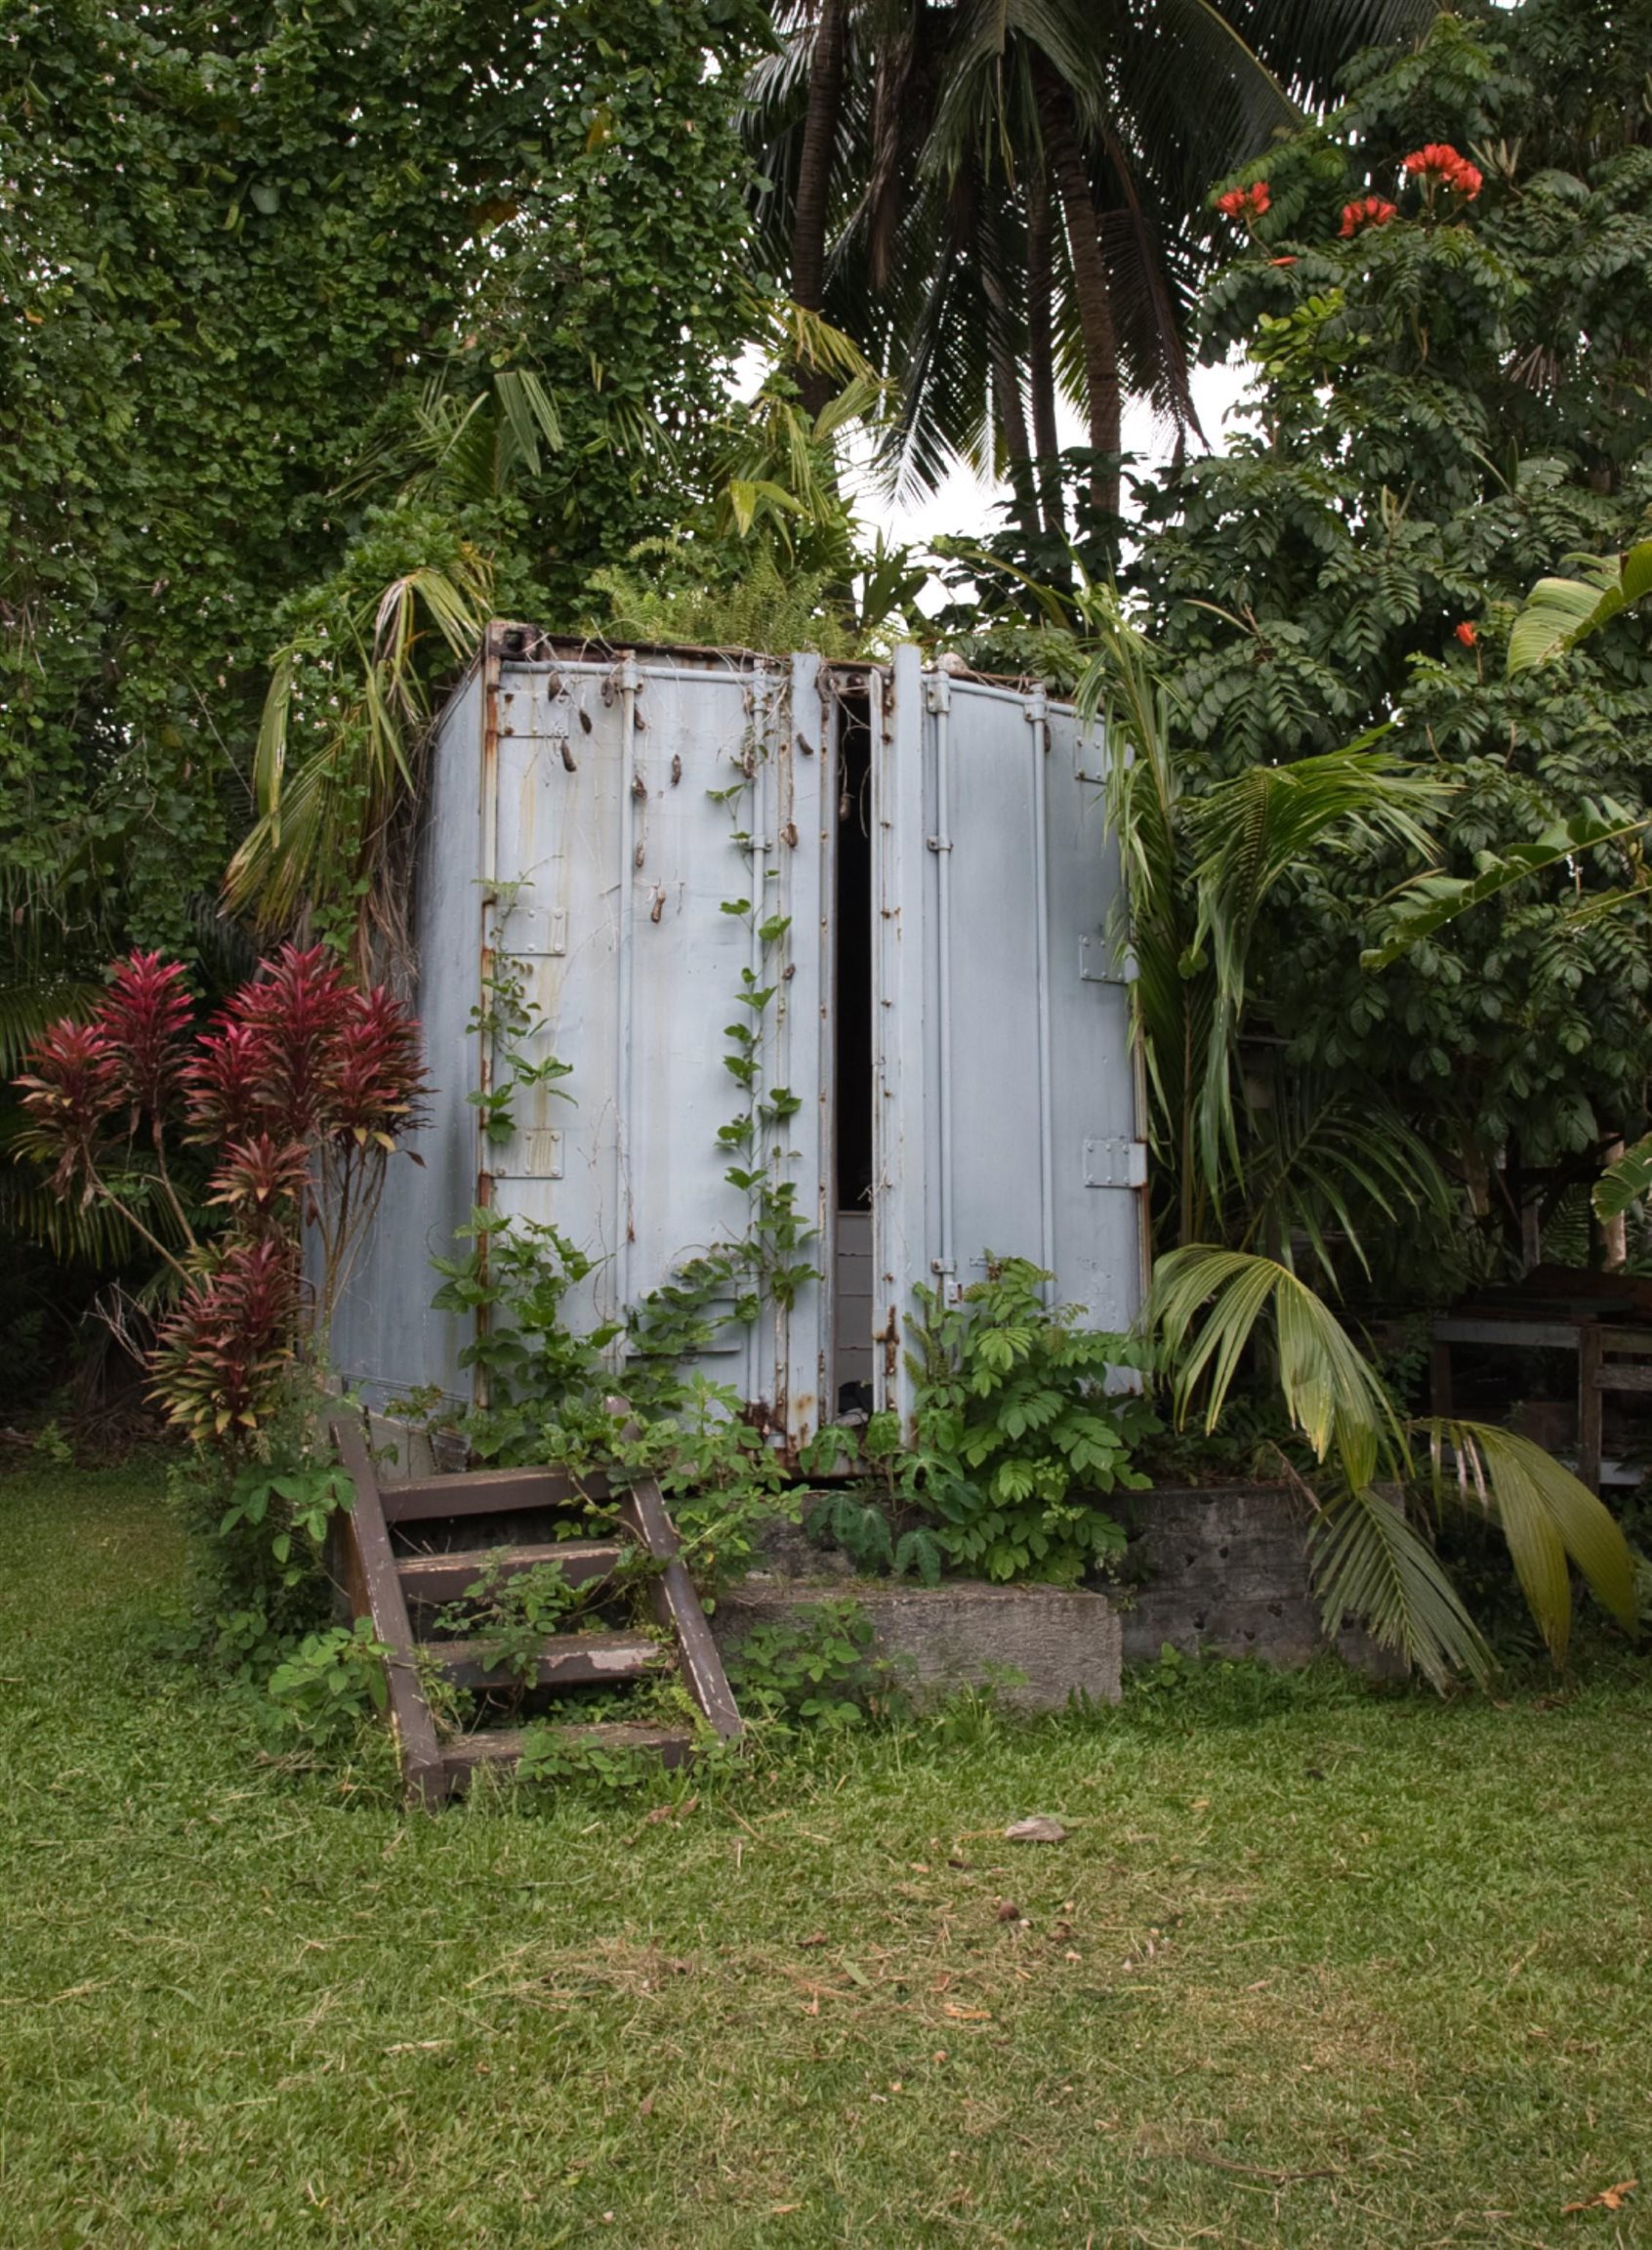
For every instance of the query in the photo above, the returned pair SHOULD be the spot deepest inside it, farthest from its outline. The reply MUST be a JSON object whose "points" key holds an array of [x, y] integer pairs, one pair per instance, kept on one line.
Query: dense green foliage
{"points": [[237, 248], [1445, 406]]}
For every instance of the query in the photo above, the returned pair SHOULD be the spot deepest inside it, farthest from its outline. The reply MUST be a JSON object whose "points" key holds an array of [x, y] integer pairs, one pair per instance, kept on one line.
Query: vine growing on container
{"points": [[768, 1261]]}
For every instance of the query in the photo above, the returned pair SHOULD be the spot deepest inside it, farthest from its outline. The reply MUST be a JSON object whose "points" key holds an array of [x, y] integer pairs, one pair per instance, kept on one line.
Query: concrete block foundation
{"points": [[1061, 1643]]}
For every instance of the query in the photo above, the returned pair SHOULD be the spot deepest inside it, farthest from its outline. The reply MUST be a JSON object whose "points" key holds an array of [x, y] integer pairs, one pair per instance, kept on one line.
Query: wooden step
{"points": [[565, 1660], [501, 1747], [429, 1582], [486, 1493]]}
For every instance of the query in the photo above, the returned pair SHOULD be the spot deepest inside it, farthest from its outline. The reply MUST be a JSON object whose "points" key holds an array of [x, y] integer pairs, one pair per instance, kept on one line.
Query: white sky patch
{"points": [[962, 507]]}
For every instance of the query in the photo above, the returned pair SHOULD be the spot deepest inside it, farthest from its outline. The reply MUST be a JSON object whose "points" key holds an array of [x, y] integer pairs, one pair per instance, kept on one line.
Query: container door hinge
{"points": [[1115, 1163], [1097, 965]]}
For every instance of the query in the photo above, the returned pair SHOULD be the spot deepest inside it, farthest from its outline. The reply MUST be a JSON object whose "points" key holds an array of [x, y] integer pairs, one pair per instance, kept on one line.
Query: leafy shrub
{"points": [[862, 1528], [550, 1754], [1018, 1432], [256, 1528], [540, 1375], [816, 1669], [320, 1693]]}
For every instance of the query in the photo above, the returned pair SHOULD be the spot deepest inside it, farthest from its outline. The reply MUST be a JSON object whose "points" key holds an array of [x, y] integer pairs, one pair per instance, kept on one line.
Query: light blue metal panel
{"points": [[386, 1339], [1101, 1162], [994, 1163], [905, 1019], [801, 753], [637, 803], [1007, 1096]]}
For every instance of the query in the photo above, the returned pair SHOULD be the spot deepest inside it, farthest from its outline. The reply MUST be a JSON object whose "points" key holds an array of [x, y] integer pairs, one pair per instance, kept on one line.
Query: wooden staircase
{"points": [[411, 1550]]}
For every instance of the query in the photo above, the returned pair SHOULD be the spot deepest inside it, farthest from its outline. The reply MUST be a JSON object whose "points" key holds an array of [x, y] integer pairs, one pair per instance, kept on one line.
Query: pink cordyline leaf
{"points": [[259, 1179], [220, 1356], [376, 1077], [145, 1017], [227, 1083], [295, 1012], [72, 1086]]}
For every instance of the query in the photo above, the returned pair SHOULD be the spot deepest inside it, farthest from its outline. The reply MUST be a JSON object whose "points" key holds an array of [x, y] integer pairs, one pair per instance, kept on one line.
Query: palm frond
{"points": [[361, 695], [1320, 1159], [1248, 834], [1205, 1306], [1546, 1516], [29, 1006], [1625, 1182], [1432, 901], [1371, 1565]]}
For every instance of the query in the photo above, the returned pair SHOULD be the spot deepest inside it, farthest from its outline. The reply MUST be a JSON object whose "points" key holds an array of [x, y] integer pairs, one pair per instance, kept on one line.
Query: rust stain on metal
{"points": [[889, 1336]]}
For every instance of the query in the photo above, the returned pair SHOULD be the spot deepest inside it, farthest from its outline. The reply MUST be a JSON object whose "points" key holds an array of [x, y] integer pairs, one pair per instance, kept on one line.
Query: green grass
{"points": [[1315, 1966]]}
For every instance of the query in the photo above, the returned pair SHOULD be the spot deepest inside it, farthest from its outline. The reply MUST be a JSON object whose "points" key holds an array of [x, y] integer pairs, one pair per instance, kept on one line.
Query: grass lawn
{"points": [[1315, 1966]]}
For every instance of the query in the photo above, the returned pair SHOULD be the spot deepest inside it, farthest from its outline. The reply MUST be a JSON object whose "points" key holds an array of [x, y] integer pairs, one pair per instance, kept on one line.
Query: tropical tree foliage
{"points": [[1005, 200], [1448, 402], [301, 301]]}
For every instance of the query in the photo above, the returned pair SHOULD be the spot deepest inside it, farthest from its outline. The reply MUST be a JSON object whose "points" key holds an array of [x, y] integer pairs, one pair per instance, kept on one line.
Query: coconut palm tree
{"points": [[1001, 201]]}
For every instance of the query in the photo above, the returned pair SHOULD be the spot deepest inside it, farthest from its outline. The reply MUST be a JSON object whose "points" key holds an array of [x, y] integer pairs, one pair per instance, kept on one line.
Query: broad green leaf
{"points": [[1625, 1182], [1560, 612]]}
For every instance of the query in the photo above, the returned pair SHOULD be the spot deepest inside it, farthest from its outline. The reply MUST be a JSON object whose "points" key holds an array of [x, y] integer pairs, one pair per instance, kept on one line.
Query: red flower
{"points": [[1282, 261], [1368, 211], [1466, 634], [1438, 165], [1245, 203]]}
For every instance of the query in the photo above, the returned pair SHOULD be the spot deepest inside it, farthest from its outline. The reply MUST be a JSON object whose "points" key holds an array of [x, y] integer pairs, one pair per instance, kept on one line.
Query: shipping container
{"points": [[631, 849]]}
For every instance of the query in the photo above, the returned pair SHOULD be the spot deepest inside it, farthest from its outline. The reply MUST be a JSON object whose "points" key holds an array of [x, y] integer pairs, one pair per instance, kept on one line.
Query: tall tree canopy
{"points": [[1005, 199]]}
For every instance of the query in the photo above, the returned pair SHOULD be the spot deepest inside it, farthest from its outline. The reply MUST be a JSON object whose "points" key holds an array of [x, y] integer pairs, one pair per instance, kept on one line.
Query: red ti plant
{"points": [[300, 1092]]}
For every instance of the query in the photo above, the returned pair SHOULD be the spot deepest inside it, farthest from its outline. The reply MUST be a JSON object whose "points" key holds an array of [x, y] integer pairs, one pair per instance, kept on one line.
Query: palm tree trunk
{"points": [[1041, 350], [1009, 411], [815, 178], [1091, 289]]}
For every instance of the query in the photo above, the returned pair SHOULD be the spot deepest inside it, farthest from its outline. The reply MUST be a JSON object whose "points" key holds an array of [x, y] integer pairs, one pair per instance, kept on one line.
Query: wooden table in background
{"points": [[1611, 1356]]}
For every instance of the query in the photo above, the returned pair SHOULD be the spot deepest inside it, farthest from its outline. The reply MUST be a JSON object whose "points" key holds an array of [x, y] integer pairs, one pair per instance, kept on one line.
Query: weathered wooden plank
{"points": [[502, 1746], [1588, 1409], [678, 1605], [1559, 1335], [429, 1580], [1635, 1341], [372, 1575], [1616, 1377], [487, 1492], [565, 1660]]}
